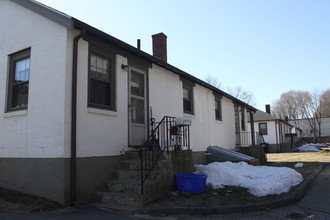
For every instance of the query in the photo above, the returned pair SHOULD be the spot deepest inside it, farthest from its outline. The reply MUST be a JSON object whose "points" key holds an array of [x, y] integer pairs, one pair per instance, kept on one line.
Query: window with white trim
{"points": [[263, 129], [218, 108], [188, 98], [101, 80], [18, 83]]}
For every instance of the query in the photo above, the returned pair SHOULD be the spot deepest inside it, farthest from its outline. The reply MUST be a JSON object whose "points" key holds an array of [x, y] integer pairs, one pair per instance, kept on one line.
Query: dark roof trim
{"points": [[187, 81], [280, 120], [48, 12], [99, 34], [70, 22], [217, 94]]}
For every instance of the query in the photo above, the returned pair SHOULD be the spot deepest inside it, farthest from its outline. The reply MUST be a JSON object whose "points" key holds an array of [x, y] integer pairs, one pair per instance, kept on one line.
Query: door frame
{"points": [[146, 103]]}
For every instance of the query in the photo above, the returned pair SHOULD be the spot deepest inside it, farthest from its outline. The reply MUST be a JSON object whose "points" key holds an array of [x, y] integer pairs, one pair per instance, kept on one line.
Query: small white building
{"points": [[273, 131], [74, 99]]}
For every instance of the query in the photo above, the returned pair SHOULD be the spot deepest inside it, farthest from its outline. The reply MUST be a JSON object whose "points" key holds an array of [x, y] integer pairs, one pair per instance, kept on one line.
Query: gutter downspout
{"points": [[277, 128], [252, 128], [73, 186]]}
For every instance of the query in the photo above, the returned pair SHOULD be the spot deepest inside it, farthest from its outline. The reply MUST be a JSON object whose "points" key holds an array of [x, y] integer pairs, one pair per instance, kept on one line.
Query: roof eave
{"points": [[83, 26], [48, 12]]}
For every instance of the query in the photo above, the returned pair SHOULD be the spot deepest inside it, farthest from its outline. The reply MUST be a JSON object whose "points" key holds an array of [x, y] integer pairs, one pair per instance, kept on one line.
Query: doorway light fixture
{"points": [[124, 67]]}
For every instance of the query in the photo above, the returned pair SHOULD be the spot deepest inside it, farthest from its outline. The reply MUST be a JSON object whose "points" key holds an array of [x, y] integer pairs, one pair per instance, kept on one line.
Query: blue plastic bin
{"points": [[188, 182]]}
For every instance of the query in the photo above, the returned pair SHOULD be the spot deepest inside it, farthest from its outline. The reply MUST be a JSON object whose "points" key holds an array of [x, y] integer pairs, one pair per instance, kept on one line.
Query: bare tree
{"points": [[213, 81], [325, 104], [242, 95], [237, 92], [308, 106], [288, 106], [302, 105]]}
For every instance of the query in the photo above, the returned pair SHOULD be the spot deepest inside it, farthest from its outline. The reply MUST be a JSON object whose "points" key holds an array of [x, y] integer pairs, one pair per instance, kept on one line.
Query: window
{"points": [[242, 119], [218, 110], [137, 88], [188, 98], [18, 83], [101, 92], [263, 128]]}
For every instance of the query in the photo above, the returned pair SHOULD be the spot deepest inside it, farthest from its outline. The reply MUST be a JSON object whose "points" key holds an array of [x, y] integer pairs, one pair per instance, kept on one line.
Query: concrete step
{"points": [[131, 164], [131, 175], [123, 189], [132, 186], [118, 198], [136, 164], [116, 207], [134, 155]]}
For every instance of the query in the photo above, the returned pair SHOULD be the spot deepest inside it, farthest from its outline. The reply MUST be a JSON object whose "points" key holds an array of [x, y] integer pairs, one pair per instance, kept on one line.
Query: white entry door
{"points": [[137, 107]]}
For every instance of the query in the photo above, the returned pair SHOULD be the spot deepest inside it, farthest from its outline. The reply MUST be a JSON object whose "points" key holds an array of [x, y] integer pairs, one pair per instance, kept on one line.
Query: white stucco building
{"points": [[274, 131], [73, 99]]}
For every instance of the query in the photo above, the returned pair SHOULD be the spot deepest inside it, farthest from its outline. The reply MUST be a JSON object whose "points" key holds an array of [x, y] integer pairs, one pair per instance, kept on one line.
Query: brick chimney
{"points": [[267, 109], [159, 46]]}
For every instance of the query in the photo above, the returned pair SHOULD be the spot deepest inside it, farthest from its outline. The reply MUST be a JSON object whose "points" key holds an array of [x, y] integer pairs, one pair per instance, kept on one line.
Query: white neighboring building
{"points": [[273, 131], [52, 140], [307, 132]]}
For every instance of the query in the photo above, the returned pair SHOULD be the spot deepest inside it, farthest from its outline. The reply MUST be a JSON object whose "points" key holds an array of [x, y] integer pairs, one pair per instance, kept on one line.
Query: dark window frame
{"points": [[188, 102], [218, 107], [13, 59], [263, 131], [110, 95], [243, 125]]}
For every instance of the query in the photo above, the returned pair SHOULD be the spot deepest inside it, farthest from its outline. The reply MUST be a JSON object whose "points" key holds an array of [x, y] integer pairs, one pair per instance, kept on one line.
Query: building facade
{"points": [[74, 99]]}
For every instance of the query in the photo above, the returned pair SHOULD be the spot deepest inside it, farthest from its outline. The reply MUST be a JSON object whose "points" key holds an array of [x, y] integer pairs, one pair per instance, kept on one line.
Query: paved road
{"points": [[86, 213], [314, 205]]}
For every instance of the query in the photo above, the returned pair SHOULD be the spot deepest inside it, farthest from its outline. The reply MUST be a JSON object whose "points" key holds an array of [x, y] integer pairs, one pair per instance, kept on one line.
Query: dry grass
{"points": [[323, 157]]}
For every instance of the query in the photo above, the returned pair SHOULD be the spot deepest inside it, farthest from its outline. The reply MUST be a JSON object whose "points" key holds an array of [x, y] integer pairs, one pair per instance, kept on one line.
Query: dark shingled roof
{"points": [[263, 116], [70, 23]]}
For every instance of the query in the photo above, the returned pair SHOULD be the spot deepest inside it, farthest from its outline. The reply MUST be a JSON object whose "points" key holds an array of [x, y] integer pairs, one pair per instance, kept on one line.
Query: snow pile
{"points": [[298, 165], [310, 147], [260, 180]]}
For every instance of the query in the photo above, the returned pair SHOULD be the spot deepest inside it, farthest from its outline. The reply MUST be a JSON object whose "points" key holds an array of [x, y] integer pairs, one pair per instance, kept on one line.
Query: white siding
{"points": [[325, 127], [275, 135], [28, 133], [165, 93], [101, 132], [166, 99], [306, 130], [43, 131]]}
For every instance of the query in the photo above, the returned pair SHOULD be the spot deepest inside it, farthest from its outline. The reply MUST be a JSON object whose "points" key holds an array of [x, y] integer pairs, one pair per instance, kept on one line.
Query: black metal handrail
{"points": [[244, 138], [165, 135]]}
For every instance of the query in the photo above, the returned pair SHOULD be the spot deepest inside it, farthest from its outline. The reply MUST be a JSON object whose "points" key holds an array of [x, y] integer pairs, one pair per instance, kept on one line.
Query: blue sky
{"points": [[267, 47]]}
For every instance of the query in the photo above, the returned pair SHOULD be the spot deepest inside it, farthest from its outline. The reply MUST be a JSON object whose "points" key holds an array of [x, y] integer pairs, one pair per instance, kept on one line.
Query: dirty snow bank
{"points": [[310, 147], [260, 180]]}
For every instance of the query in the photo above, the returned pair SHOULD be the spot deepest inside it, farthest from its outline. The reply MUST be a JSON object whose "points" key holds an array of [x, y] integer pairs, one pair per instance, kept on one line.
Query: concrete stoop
{"points": [[122, 191]]}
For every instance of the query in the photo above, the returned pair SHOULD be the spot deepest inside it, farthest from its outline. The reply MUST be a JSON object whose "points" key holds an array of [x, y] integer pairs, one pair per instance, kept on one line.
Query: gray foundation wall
{"points": [[93, 171], [48, 178], [273, 148], [184, 161], [199, 157], [280, 148]]}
